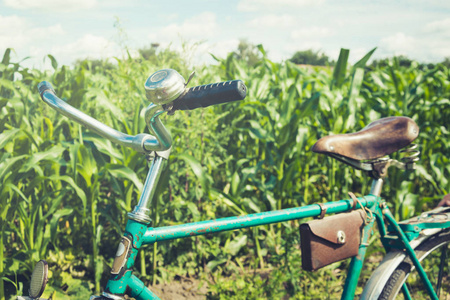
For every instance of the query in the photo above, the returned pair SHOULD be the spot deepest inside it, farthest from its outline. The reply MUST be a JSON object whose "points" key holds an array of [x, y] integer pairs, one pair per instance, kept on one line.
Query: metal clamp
{"points": [[323, 211]]}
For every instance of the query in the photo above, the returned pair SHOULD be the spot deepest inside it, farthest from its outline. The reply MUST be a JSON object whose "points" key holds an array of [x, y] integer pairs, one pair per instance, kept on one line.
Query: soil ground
{"points": [[181, 289]]}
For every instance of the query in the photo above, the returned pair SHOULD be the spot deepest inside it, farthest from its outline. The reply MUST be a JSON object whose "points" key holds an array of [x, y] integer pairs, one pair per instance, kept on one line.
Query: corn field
{"points": [[65, 191]]}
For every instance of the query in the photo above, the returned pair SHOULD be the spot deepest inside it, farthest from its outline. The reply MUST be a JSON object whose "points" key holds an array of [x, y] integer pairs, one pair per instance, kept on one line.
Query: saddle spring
{"points": [[412, 154]]}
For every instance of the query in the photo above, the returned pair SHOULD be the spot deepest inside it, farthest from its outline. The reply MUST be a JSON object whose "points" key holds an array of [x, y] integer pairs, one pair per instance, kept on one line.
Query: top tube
{"points": [[224, 224]]}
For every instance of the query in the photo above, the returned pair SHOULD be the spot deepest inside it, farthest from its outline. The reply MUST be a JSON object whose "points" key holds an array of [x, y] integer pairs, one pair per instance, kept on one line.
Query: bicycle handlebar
{"points": [[141, 142], [161, 87], [210, 94]]}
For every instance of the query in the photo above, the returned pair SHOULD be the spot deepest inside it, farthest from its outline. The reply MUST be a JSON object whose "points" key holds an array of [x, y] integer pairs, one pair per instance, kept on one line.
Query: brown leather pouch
{"points": [[330, 239]]}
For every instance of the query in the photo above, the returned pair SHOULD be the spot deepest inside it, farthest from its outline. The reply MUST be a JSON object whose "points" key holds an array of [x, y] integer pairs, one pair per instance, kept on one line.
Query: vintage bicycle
{"points": [[417, 245]]}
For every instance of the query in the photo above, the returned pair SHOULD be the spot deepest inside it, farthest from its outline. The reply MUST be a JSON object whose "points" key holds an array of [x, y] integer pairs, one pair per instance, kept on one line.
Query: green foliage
{"points": [[247, 52], [446, 62], [64, 191], [401, 60], [311, 57], [404, 61]]}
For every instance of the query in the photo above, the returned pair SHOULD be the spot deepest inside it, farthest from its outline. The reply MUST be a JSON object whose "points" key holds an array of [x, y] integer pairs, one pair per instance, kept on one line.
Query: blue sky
{"points": [[74, 29]]}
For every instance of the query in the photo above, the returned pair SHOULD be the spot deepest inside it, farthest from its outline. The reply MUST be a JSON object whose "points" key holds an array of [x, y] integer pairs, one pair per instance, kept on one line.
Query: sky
{"points": [[78, 29]]}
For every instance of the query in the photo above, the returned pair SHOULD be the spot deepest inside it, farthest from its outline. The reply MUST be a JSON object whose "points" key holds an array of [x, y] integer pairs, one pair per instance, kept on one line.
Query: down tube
{"points": [[139, 291], [199, 228]]}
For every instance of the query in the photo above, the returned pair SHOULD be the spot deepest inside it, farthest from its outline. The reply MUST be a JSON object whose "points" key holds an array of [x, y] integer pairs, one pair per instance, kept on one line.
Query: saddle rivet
{"points": [[331, 148]]}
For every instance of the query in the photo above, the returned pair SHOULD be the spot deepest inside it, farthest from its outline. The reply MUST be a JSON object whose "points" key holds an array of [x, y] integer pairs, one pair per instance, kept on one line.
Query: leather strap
{"points": [[364, 209], [323, 210]]}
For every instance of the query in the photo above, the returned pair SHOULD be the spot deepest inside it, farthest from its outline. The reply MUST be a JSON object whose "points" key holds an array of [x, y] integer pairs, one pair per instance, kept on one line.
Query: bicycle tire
{"points": [[428, 249]]}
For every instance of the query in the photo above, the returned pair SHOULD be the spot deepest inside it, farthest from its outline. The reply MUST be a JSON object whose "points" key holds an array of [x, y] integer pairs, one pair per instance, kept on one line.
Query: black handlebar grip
{"points": [[45, 86], [210, 94]]}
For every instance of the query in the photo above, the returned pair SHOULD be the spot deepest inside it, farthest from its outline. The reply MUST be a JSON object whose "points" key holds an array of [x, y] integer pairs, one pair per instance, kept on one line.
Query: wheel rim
{"points": [[437, 268]]}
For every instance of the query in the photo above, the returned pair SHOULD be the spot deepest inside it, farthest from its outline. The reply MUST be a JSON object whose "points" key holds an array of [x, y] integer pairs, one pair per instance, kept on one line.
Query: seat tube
{"points": [[357, 262]]}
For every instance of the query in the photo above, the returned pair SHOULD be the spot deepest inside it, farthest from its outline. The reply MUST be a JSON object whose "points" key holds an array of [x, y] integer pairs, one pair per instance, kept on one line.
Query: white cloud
{"points": [[52, 5], [399, 44], [273, 21], [88, 46], [10, 29], [311, 32], [222, 48], [172, 17], [425, 48], [438, 27], [199, 53], [189, 37], [11, 23], [308, 38], [270, 5], [28, 39], [17, 32], [198, 27], [437, 50], [41, 32]]}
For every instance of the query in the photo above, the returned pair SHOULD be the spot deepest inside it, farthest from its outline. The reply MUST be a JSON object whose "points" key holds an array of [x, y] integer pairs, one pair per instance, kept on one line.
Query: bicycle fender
{"points": [[390, 262]]}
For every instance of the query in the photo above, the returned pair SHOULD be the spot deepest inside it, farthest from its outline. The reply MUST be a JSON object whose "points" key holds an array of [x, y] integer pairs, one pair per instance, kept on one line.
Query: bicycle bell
{"points": [[164, 86]]}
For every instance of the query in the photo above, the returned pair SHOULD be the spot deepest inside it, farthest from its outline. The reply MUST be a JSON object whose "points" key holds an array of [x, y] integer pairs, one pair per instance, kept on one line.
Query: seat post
{"points": [[377, 184]]}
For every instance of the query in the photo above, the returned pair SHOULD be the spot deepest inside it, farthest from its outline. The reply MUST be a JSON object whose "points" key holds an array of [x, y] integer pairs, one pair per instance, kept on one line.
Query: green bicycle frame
{"points": [[140, 234]]}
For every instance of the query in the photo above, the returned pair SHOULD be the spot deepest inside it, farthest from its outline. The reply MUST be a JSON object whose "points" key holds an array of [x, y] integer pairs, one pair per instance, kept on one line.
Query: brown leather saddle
{"points": [[382, 137]]}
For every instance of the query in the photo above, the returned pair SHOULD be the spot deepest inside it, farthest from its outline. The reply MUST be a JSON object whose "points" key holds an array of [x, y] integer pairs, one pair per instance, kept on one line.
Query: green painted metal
{"points": [[356, 265], [381, 225], [379, 218], [411, 254], [438, 218], [140, 234], [199, 228], [117, 284], [418, 227], [139, 291], [406, 292]]}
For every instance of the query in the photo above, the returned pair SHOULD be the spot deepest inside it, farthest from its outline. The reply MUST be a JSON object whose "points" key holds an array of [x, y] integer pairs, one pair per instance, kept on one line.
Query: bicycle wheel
{"points": [[434, 254]]}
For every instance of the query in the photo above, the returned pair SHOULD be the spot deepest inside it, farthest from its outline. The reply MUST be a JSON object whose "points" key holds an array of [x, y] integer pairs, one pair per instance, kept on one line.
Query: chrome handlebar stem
{"points": [[157, 128]]}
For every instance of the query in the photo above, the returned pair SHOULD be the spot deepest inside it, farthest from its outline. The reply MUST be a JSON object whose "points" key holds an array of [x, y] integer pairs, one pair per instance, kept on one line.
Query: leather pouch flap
{"points": [[334, 225]]}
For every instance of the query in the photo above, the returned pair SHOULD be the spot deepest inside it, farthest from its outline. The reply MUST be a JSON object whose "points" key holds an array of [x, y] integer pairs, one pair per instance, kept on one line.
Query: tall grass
{"points": [[64, 191]]}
